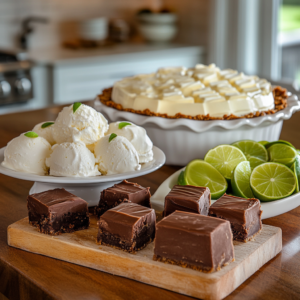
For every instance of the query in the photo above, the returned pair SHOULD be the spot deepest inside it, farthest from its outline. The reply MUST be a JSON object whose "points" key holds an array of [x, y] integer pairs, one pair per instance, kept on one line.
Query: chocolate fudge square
{"points": [[123, 192], [194, 241], [57, 211], [188, 198], [244, 215], [128, 226]]}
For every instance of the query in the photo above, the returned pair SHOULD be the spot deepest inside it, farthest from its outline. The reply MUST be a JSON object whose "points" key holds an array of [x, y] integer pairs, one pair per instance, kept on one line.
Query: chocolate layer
{"points": [[123, 192], [188, 198], [57, 211], [244, 215], [194, 241], [128, 226]]}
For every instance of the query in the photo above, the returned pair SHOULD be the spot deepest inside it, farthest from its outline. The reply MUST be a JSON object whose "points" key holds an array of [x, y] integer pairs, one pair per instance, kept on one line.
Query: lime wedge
{"points": [[200, 173], [254, 152], [240, 180], [225, 158], [272, 181], [181, 180], [296, 169], [283, 154], [268, 145], [263, 142]]}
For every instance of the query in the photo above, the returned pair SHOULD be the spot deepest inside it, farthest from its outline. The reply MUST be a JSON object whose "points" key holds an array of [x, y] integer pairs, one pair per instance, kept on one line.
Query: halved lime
{"points": [[181, 180], [283, 154], [263, 142], [272, 181], [296, 169], [225, 158], [240, 180], [268, 145], [200, 173], [254, 151]]}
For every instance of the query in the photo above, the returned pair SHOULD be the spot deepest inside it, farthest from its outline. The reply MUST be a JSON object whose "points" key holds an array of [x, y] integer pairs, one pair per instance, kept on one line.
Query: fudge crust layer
{"points": [[128, 227], [244, 215], [194, 241], [57, 211], [187, 198]]}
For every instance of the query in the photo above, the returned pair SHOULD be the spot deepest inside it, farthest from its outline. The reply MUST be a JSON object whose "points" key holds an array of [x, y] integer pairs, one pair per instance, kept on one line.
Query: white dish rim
{"points": [[293, 105], [158, 161]]}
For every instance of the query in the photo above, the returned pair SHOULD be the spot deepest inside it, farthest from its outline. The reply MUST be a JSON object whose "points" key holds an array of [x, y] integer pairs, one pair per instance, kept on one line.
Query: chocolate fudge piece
{"points": [[128, 226], [244, 215], [194, 241], [57, 211], [123, 192], [188, 198]]}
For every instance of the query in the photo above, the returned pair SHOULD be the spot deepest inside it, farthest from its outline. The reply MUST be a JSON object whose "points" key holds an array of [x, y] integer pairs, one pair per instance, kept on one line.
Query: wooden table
{"points": [[25, 275]]}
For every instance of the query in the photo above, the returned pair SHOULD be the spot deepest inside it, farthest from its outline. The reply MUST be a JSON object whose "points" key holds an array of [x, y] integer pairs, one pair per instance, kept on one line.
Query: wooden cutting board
{"points": [[80, 248]]}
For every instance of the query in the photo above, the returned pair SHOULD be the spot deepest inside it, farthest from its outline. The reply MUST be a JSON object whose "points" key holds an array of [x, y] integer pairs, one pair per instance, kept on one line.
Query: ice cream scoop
{"points": [[79, 122], [72, 159], [115, 154], [44, 130], [137, 136], [27, 153]]}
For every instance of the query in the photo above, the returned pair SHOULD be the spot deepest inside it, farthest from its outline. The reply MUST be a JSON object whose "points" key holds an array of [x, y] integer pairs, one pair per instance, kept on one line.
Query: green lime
{"points": [[296, 169], [240, 180], [283, 154], [268, 145], [181, 180], [272, 181], [263, 142], [200, 173], [255, 152], [225, 158]]}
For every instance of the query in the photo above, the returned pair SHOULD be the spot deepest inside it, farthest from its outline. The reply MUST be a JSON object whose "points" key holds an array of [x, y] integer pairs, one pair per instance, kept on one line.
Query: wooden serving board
{"points": [[80, 248]]}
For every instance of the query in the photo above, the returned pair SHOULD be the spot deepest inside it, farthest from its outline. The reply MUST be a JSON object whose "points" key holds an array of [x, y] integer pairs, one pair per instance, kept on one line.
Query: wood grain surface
{"points": [[25, 275]]}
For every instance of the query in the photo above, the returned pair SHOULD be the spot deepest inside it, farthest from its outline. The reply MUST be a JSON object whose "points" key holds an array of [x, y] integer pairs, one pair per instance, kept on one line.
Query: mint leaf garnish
{"points": [[47, 124], [111, 137], [76, 105], [31, 134], [123, 124]]}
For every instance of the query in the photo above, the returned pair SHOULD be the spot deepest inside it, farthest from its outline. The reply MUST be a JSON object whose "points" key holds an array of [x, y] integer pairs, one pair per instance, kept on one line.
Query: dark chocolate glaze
{"points": [[194, 240], [188, 198], [127, 220], [243, 214]]}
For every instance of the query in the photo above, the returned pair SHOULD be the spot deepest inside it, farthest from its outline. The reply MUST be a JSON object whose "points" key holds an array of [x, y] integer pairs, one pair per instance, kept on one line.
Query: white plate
{"points": [[270, 209], [88, 188]]}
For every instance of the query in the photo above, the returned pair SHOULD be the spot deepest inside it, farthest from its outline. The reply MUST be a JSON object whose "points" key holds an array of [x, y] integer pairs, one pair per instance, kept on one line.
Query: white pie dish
{"points": [[183, 140], [270, 209], [88, 188]]}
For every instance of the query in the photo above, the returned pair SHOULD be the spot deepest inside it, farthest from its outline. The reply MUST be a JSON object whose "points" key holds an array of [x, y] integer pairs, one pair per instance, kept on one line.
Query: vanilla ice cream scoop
{"points": [[27, 153], [79, 122], [137, 136], [72, 159], [44, 130], [115, 154]]}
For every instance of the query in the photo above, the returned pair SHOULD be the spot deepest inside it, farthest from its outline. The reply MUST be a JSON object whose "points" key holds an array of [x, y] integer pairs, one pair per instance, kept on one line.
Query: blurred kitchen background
{"points": [[61, 51]]}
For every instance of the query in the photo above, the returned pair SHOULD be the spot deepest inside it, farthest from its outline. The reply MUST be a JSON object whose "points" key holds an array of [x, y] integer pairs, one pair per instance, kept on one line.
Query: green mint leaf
{"points": [[111, 137], [76, 105], [31, 134], [47, 124], [123, 124]]}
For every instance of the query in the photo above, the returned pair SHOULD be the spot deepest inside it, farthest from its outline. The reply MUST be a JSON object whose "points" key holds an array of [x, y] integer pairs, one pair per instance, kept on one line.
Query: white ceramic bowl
{"points": [[183, 140], [94, 29], [88, 188]]}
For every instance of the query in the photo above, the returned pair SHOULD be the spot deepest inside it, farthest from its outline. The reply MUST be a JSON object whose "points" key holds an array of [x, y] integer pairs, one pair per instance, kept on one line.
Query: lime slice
{"points": [[181, 180], [263, 142], [254, 151], [296, 169], [272, 181], [200, 173], [225, 158], [283, 154], [240, 180], [268, 145]]}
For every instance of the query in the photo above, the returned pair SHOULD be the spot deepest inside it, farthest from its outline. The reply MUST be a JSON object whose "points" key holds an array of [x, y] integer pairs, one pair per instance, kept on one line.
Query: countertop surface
{"points": [[60, 55], [25, 275]]}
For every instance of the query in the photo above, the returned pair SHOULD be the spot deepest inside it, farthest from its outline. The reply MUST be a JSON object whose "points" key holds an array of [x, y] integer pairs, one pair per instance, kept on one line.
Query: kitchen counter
{"points": [[25, 275]]}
